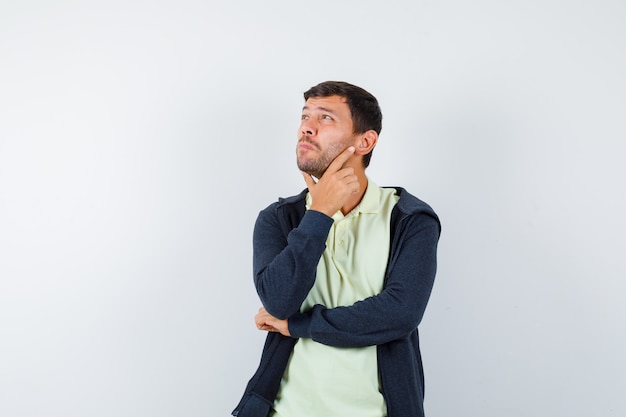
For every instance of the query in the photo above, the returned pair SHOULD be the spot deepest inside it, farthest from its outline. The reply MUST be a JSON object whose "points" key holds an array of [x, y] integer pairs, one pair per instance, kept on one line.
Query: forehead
{"points": [[334, 104]]}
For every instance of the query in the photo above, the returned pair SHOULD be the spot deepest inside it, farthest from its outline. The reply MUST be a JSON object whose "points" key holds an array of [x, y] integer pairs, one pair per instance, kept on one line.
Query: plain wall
{"points": [[139, 140]]}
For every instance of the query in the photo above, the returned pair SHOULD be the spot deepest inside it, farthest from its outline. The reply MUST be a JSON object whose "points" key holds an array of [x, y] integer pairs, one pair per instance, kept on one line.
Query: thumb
{"points": [[310, 183]]}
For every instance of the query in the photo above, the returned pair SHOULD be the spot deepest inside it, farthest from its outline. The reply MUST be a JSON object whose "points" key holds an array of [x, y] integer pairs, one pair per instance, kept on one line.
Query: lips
{"points": [[307, 144]]}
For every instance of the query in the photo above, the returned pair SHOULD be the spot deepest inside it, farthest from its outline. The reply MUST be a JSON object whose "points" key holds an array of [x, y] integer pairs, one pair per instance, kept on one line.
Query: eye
{"points": [[326, 117], [304, 117]]}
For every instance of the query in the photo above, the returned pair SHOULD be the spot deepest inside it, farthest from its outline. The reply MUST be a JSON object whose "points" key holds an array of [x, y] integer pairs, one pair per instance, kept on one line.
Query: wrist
{"points": [[324, 210], [299, 325]]}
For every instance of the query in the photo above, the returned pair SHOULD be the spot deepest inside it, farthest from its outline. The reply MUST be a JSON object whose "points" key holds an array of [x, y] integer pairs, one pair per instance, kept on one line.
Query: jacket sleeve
{"points": [[285, 262], [397, 310]]}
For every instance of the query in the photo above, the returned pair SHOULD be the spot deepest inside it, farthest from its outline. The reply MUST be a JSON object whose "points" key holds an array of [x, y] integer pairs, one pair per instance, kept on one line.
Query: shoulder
{"points": [[410, 205], [294, 199], [287, 203], [285, 213]]}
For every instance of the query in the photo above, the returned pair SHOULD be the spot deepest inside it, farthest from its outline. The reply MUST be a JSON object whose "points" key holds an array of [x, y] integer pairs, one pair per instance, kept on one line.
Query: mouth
{"points": [[307, 144]]}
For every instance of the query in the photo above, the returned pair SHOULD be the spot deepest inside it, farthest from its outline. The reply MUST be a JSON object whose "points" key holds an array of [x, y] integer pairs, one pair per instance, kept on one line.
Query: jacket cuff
{"points": [[316, 223], [299, 325]]}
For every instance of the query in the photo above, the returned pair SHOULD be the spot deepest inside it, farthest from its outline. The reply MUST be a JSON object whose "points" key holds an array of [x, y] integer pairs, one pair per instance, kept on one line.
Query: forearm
{"points": [[392, 314], [285, 267]]}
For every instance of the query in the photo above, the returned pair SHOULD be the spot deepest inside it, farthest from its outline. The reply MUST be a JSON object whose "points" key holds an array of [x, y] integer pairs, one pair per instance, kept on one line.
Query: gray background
{"points": [[139, 140]]}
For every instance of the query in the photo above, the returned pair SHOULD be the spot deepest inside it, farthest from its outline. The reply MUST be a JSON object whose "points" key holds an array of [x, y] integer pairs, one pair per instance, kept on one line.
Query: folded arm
{"points": [[396, 311]]}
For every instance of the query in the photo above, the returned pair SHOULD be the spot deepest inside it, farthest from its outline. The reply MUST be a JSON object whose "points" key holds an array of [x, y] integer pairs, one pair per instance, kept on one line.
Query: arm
{"points": [[391, 314], [285, 267]]}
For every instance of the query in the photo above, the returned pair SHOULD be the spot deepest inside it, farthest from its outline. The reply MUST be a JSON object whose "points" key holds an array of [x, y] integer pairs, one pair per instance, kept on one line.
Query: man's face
{"points": [[325, 131]]}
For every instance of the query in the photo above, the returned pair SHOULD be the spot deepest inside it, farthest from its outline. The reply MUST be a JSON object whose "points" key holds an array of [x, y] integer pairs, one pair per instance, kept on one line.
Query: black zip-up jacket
{"points": [[288, 244]]}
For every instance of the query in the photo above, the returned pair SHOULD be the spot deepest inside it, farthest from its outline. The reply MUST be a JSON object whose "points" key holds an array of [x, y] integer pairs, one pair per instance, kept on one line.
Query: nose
{"points": [[307, 127]]}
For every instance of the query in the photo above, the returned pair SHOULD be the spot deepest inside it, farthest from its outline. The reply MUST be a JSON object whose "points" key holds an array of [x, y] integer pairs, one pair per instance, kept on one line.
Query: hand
{"points": [[265, 321], [335, 187]]}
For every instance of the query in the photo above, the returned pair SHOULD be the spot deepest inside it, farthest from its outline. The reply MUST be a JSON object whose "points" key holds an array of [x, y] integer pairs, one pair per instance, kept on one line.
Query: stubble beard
{"points": [[317, 167]]}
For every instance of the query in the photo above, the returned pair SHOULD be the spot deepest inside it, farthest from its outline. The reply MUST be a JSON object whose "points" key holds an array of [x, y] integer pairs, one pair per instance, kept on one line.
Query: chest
{"points": [[353, 265]]}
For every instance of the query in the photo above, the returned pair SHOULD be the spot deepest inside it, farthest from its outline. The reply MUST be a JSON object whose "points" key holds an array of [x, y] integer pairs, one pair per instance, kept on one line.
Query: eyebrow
{"points": [[324, 109]]}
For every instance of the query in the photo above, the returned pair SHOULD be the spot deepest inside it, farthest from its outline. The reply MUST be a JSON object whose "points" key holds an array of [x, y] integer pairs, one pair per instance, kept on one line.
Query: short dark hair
{"points": [[364, 108]]}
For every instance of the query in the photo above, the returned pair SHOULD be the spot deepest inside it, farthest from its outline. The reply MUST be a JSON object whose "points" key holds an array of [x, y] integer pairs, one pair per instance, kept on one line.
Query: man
{"points": [[344, 271]]}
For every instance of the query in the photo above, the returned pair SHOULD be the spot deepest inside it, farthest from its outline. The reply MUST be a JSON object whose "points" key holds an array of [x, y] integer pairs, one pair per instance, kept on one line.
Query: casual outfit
{"points": [[354, 289]]}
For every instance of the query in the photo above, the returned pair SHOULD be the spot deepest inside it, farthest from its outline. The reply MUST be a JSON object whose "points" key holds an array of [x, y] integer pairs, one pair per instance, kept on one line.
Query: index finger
{"points": [[341, 159]]}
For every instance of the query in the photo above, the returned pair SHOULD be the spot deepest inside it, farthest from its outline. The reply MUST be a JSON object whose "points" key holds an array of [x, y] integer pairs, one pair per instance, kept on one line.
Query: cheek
{"points": [[335, 149]]}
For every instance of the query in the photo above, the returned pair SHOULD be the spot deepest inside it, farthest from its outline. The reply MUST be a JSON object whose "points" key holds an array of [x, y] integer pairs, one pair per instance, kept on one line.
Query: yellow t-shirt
{"points": [[326, 381]]}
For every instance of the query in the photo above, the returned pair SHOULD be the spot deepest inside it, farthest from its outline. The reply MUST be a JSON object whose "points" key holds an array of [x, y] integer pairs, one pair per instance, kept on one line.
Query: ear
{"points": [[365, 142]]}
